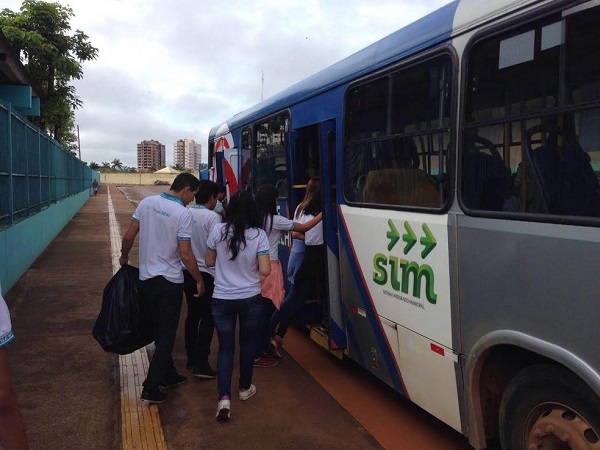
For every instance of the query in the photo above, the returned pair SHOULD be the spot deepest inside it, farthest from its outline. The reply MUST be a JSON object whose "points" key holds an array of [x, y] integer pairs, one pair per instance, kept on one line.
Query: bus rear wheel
{"points": [[547, 407]]}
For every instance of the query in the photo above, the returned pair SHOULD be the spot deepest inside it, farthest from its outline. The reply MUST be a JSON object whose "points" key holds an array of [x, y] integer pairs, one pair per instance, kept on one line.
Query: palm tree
{"points": [[94, 165], [117, 164], [105, 165]]}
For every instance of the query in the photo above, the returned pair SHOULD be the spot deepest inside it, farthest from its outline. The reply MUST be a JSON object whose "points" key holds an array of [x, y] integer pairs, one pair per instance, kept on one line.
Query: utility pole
{"points": [[78, 143]]}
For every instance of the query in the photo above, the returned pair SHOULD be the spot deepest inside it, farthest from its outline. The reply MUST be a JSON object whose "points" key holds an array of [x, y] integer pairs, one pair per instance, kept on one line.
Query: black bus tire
{"points": [[548, 407]]}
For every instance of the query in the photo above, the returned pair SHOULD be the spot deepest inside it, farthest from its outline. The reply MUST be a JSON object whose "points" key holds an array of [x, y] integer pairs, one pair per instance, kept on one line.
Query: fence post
{"points": [[39, 150], [11, 200], [27, 168]]}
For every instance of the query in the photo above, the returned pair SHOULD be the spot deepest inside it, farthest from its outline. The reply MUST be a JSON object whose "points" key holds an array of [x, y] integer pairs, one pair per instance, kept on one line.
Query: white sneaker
{"points": [[223, 410], [245, 395], [274, 349]]}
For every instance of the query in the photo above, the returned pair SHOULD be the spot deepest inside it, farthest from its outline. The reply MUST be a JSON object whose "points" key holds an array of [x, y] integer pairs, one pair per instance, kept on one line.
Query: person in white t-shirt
{"points": [[272, 286], [199, 324], [219, 207], [165, 227], [239, 250], [12, 427], [311, 273]]}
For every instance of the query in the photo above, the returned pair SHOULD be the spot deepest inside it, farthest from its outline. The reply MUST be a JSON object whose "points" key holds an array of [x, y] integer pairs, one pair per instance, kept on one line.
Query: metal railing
{"points": [[35, 170]]}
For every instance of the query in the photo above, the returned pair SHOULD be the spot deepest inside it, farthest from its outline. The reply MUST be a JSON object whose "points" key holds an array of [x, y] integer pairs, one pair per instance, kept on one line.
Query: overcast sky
{"points": [[169, 70]]}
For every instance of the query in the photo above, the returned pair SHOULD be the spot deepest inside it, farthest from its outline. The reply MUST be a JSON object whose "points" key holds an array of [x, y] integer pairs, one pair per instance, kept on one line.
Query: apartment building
{"points": [[186, 153], [151, 155]]}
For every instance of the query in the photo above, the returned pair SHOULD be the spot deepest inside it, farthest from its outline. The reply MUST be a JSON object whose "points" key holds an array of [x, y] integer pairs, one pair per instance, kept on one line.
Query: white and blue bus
{"points": [[460, 160]]}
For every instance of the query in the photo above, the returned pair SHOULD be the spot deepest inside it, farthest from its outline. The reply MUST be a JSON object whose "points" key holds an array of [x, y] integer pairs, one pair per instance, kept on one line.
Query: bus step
{"points": [[321, 337]]}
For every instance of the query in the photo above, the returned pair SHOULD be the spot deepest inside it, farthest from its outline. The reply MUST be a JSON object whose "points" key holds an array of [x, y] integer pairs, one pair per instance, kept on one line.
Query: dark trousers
{"points": [[226, 312], [268, 310], [309, 282], [165, 298], [199, 323]]}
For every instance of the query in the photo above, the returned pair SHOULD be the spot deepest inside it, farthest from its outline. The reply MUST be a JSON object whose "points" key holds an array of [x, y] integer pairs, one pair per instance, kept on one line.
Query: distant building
{"points": [[186, 153], [150, 155]]}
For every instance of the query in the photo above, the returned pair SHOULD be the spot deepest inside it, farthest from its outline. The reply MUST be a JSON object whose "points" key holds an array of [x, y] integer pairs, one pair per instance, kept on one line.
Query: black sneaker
{"points": [[173, 381], [153, 396], [204, 371]]}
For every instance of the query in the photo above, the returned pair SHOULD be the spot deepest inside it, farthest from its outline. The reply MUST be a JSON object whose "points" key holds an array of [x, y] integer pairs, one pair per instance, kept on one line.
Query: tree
{"points": [[117, 164], [41, 34], [94, 165]]}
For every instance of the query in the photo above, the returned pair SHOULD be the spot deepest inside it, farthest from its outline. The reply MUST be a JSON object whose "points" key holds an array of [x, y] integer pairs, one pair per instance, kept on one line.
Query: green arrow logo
{"points": [[409, 237], [392, 235], [428, 242]]}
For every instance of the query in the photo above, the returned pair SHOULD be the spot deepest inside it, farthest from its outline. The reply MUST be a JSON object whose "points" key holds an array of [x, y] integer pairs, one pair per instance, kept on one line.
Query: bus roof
{"points": [[424, 33]]}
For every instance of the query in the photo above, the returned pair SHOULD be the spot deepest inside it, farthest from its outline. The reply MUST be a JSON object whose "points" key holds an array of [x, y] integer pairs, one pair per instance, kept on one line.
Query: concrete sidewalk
{"points": [[68, 387]]}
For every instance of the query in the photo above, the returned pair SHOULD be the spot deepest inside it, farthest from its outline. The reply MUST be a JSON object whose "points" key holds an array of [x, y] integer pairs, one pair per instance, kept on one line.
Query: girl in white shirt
{"points": [[239, 250], [312, 271], [272, 286]]}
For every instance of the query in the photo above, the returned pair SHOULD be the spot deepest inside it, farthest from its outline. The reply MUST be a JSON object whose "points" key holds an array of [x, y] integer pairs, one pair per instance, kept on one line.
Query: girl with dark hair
{"points": [[239, 250], [306, 265], [272, 286]]}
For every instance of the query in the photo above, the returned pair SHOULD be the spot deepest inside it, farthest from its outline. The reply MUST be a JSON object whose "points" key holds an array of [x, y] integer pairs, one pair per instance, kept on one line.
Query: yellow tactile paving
{"points": [[140, 423], [141, 428]]}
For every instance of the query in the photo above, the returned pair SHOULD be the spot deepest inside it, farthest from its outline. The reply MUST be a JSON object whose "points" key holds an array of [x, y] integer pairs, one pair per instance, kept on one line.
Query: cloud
{"points": [[173, 70]]}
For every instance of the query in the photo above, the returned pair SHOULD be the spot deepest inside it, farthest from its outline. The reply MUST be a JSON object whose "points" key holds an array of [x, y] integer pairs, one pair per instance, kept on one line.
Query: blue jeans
{"points": [[295, 260], [310, 281], [294, 263], [283, 311], [225, 314]]}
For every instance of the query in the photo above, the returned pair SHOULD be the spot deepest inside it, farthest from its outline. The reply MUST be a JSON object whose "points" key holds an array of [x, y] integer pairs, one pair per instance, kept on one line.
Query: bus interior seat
{"points": [[405, 153], [281, 186], [410, 187], [486, 182], [568, 183], [360, 186]]}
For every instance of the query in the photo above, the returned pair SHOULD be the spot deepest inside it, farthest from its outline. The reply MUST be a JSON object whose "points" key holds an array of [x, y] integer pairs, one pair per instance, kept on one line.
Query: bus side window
{"points": [[397, 130], [270, 164], [535, 93], [486, 181], [568, 183]]}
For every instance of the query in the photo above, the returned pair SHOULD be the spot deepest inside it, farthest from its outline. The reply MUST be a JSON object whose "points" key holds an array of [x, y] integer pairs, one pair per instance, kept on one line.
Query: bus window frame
{"points": [[422, 57], [250, 127], [253, 154], [497, 30]]}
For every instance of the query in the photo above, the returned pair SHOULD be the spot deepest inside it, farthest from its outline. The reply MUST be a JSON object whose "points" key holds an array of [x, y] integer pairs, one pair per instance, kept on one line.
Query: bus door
{"points": [[312, 149], [334, 328], [304, 164]]}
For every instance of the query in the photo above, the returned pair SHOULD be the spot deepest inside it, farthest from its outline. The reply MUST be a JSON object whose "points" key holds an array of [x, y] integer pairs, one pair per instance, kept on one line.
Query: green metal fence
{"points": [[35, 170]]}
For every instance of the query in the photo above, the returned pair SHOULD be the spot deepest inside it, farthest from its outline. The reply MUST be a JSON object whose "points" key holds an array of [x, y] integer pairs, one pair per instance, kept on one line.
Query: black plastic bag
{"points": [[125, 323]]}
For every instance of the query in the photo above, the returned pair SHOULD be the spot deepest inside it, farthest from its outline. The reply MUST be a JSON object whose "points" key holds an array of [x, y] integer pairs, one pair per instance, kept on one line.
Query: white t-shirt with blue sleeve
{"points": [[280, 224], [204, 221], [6, 333], [164, 221], [237, 279]]}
